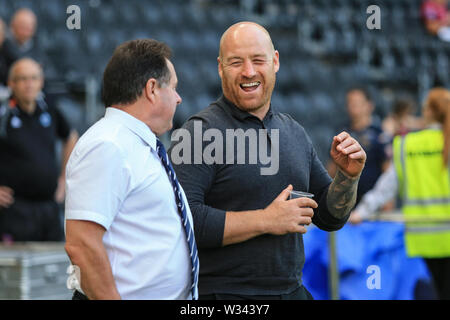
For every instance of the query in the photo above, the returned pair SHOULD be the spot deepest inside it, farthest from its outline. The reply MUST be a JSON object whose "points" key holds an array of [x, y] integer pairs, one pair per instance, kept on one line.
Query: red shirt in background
{"points": [[434, 10]]}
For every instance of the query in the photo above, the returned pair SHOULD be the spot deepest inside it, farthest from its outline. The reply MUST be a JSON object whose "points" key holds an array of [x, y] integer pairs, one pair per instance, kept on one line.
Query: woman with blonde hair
{"points": [[420, 176]]}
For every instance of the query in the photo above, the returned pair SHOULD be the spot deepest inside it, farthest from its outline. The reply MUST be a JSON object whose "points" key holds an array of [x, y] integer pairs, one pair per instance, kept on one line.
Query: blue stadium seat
{"points": [[188, 75], [33, 5], [324, 45], [6, 11], [210, 42], [172, 16], [202, 101], [151, 17], [278, 101], [185, 110], [299, 107], [188, 42]]}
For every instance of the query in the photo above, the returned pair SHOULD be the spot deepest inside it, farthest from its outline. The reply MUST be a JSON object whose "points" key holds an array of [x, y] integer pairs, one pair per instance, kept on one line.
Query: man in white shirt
{"points": [[124, 231]]}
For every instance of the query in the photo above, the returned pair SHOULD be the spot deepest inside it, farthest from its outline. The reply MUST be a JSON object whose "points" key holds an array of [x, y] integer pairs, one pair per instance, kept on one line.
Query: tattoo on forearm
{"points": [[342, 195]]}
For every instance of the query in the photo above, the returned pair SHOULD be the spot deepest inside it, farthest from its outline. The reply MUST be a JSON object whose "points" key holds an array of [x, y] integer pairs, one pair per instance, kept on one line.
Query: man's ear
{"points": [[150, 89], [219, 67], [276, 61]]}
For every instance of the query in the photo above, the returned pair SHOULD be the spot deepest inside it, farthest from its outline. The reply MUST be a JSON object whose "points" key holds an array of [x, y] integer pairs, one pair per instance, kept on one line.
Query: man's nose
{"points": [[248, 70]]}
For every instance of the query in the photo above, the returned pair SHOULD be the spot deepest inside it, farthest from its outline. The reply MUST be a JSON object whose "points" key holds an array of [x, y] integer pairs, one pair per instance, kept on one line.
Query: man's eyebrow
{"points": [[258, 55], [234, 58]]}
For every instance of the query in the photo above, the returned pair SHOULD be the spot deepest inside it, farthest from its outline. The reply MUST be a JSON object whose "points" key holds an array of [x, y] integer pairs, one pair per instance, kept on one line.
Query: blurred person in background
{"points": [[419, 174], [250, 236], [21, 41], [367, 130], [23, 28], [30, 185], [402, 120], [436, 17], [4, 62]]}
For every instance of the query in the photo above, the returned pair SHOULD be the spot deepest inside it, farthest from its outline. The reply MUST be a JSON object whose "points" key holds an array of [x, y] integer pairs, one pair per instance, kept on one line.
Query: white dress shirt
{"points": [[115, 178]]}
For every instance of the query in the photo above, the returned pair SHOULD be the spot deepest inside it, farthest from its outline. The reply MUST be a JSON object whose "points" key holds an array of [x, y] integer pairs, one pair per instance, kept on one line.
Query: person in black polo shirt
{"points": [[248, 233], [30, 184]]}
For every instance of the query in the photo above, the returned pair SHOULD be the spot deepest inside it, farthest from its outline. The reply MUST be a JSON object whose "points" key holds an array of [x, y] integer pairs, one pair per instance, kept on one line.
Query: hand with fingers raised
{"points": [[348, 154]]}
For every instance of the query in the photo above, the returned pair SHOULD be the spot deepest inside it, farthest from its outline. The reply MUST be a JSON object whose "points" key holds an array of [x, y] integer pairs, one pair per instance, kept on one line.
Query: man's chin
{"points": [[250, 106]]}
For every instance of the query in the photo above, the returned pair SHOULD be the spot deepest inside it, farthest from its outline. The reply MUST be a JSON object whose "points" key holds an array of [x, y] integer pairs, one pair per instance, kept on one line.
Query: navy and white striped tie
{"points": [[183, 214]]}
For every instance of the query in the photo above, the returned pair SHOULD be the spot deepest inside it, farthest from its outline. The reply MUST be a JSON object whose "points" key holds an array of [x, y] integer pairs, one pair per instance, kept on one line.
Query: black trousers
{"points": [[77, 295], [31, 221], [298, 294], [440, 271], [301, 293]]}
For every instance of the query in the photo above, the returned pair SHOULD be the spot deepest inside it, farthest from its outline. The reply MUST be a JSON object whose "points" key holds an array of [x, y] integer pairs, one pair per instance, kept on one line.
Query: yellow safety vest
{"points": [[425, 192]]}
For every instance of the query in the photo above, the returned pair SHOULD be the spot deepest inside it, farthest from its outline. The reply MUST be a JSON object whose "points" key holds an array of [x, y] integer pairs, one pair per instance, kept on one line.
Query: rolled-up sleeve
{"points": [[196, 180]]}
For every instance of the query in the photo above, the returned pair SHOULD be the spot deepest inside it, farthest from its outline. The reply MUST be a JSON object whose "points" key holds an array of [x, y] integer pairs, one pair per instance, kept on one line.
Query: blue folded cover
{"points": [[364, 251]]}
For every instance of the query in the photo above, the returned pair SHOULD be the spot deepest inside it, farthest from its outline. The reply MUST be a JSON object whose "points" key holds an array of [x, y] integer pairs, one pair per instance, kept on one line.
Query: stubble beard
{"points": [[235, 99]]}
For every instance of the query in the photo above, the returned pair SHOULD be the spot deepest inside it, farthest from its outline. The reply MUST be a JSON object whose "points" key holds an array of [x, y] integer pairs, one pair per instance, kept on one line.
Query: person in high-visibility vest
{"points": [[420, 175]]}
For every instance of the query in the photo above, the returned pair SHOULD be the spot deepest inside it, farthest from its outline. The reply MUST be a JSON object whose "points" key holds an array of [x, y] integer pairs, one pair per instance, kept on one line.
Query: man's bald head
{"points": [[247, 65], [241, 31], [26, 81], [24, 64], [23, 25]]}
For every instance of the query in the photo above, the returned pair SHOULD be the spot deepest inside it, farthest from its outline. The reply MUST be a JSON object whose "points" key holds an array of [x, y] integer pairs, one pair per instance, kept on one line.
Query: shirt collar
{"points": [[238, 113], [20, 112], [133, 124]]}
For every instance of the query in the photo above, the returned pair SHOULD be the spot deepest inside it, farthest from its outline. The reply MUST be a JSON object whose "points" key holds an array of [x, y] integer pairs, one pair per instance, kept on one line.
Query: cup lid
{"points": [[301, 194]]}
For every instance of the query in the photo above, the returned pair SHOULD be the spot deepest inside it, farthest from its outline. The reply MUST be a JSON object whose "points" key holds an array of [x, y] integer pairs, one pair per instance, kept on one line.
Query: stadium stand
{"points": [[324, 46]]}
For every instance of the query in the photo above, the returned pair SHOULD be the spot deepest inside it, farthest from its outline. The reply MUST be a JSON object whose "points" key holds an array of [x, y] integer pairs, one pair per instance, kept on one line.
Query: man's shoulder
{"points": [[378, 134], [294, 129], [213, 116], [376, 126], [102, 134], [283, 116], [10, 48], [102, 150], [50, 106], [287, 120]]}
